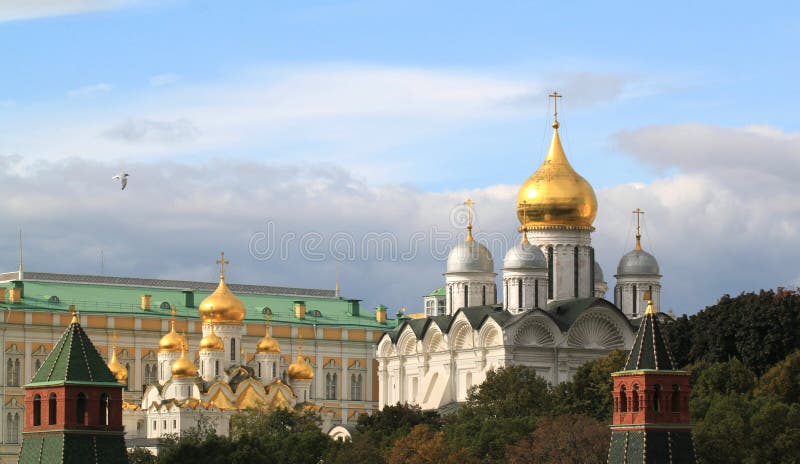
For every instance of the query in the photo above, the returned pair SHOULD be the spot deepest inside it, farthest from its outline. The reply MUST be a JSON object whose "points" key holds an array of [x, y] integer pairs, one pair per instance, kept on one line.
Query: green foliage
{"points": [[589, 391], [141, 456], [783, 380], [566, 439], [678, 331], [384, 427]]}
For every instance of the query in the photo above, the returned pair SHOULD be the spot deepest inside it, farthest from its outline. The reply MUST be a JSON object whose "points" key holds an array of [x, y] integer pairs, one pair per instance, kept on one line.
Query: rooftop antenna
{"points": [[21, 274]]}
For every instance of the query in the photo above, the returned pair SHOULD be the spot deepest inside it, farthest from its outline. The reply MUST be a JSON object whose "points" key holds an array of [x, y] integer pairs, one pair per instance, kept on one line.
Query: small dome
{"points": [[470, 256], [638, 262], [211, 342], [171, 341], [222, 306], [598, 273], [183, 367], [268, 345], [524, 256], [300, 369], [116, 368]]}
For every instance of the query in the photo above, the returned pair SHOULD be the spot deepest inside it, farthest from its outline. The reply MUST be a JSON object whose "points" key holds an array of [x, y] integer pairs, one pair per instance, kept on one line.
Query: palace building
{"points": [[549, 312], [184, 349]]}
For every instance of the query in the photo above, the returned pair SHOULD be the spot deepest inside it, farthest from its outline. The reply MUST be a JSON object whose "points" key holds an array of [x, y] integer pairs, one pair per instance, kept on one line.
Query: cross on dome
{"points": [[638, 212], [222, 262], [470, 203], [555, 96]]}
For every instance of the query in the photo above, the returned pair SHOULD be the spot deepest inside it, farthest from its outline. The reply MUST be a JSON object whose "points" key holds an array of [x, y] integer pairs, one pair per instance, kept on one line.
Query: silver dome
{"points": [[524, 256], [470, 256], [598, 273], [638, 262]]}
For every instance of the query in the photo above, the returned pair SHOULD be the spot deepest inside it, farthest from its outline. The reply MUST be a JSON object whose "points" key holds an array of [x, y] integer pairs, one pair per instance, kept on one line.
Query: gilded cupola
{"points": [[222, 306], [268, 344], [211, 342], [171, 341], [556, 196], [300, 369], [116, 367], [183, 367]]}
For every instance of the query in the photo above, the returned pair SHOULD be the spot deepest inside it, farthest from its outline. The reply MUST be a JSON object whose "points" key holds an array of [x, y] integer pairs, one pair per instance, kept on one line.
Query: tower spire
{"points": [[555, 96], [638, 212], [469, 204]]}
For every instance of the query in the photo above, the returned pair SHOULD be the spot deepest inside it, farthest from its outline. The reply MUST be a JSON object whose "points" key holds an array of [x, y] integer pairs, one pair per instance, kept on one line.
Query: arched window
{"points": [[519, 293], [623, 399], [128, 379], [52, 409], [10, 372], [12, 435], [635, 302], [355, 387], [37, 365], [16, 372], [576, 274], [505, 294], [216, 367], [233, 349], [104, 409], [536, 293], [274, 367], [37, 410], [259, 370], [484, 295], [330, 386], [676, 399], [636, 398], [80, 409], [657, 398], [550, 272], [466, 296]]}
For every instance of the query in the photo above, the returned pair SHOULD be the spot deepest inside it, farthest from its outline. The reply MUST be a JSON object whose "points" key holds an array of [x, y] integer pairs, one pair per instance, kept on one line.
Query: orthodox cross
{"points": [[221, 261], [638, 212], [469, 204], [555, 96]]}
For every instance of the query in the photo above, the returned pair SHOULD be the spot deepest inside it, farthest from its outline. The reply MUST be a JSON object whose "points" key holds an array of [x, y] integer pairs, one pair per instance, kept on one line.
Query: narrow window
{"points": [[233, 349], [536, 293], [128, 379], [575, 273], [259, 370], [484, 295], [16, 373], [37, 410], [80, 409], [10, 373], [676, 399], [274, 365], [591, 272], [104, 409], [216, 367], [657, 398], [623, 399], [450, 309], [11, 437], [52, 409], [466, 296], [633, 294], [333, 387], [519, 294], [505, 293], [38, 365], [550, 272], [636, 398]]}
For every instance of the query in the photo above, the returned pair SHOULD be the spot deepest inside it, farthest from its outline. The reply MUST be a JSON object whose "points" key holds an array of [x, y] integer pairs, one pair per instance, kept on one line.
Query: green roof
{"points": [[438, 292], [652, 447], [125, 300], [74, 360], [650, 349], [79, 447]]}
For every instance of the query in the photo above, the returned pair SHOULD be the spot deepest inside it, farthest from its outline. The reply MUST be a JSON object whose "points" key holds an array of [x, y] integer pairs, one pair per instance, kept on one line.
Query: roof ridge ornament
{"points": [[555, 96], [470, 203], [650, 308]]}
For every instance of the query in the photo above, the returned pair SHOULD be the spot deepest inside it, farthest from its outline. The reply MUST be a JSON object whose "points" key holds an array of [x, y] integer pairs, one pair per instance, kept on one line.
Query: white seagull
{"points": [[123, 178]]}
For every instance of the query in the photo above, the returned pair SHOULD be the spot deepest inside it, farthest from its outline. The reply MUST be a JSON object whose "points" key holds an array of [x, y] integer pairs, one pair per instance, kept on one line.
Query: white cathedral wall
{"points": [[564, 243], [228, 332], [623, 293], [456, 285]]}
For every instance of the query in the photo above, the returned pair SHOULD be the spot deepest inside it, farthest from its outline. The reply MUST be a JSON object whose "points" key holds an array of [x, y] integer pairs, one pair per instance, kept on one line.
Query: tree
{"points": [[726, 378], [678, 331], [386, 426], [723, 436], [140, 455], [783, 380], [425, 446], [567, 439], [360, 449], [589, 391], [278, 436]]}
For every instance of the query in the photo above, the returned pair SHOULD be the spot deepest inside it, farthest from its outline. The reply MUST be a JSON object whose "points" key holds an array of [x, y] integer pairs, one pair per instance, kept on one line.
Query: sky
{"points": [[300, 137]]}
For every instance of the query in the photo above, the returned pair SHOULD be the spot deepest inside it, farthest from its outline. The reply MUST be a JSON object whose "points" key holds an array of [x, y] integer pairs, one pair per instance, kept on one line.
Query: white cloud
{"points": [[90, 90], [136, 131], [11, 10], [161, 80]]}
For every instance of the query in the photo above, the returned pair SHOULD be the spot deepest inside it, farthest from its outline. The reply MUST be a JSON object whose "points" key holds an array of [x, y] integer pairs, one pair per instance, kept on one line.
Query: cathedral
{"points": [[550, 312]]}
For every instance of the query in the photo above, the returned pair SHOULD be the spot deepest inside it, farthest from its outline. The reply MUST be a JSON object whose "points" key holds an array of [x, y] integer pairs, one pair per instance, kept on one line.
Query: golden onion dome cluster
{"points": [[116, 368], [300, 369], [211, 342], [268, 345], [222, 306]]}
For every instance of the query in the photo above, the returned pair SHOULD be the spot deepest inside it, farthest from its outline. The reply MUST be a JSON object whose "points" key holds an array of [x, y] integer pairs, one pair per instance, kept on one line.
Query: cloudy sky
{"points": [[294, 135]]}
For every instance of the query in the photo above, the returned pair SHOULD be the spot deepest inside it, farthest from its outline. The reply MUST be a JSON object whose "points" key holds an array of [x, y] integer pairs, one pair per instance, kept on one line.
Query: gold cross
{"points": [[555, 96], [222, 264], [469, 204], [638, 212]]}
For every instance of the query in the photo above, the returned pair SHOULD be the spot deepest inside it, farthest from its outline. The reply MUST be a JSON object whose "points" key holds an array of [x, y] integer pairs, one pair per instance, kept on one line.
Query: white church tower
{"points": [[222, 314], [169, 350], [524, 278], [638, 278], [556, 207], [470, 276]]}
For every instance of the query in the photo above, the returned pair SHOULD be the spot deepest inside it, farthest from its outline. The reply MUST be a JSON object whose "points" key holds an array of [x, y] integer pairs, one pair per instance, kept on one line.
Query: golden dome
{"points": [[268, 345], [300, 369], [222, 306], [211, 342], [171, 341], [183, 367], [116, 368], [556, 196]]}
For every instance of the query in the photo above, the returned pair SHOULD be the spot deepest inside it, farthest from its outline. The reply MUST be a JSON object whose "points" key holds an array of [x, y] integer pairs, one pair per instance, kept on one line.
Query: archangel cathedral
{"points": [[550, 312]]}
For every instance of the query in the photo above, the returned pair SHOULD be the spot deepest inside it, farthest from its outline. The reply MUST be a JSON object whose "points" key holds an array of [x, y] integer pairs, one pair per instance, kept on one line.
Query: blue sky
{"points": [[673, 108]]}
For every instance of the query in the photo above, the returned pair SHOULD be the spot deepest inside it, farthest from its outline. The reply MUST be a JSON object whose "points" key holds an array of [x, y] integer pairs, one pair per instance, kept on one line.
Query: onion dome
{"points": [[116, 367], [638, 261], [300, 369], [556, 196], [470, 256], [171, 341], [524, 256], [211, 342], [183, 367], [222, 306], [268, 344]]}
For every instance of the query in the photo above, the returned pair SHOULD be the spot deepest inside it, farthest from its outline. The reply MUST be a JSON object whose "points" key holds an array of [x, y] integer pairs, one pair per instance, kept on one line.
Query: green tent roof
{"points": [[650, 349], [74, 360]]}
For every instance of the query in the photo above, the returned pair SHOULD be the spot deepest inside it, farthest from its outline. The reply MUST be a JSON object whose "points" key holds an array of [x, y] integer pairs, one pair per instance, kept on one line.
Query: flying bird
{"points": [[123, 178]]}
